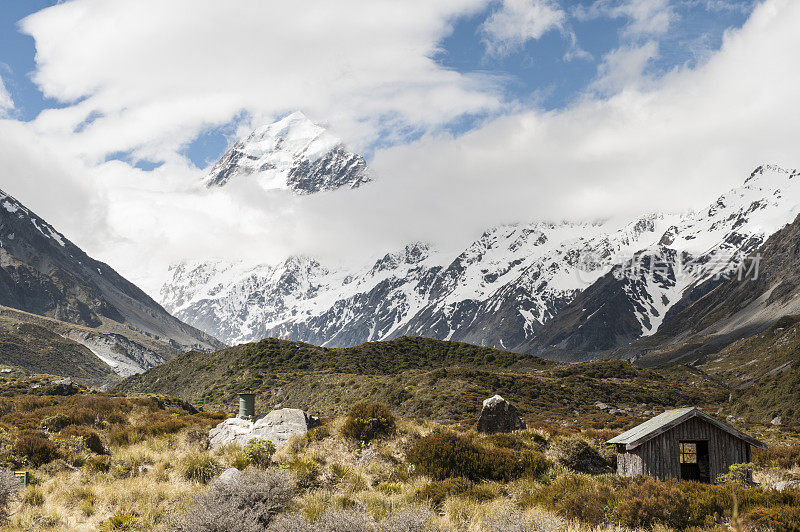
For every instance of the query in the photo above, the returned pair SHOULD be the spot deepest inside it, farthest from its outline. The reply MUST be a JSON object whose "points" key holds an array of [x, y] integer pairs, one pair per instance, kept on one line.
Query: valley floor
{"points": [[113, 462]]}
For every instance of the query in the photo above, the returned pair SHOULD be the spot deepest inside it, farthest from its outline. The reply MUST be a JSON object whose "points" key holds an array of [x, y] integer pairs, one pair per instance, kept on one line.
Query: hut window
{"points": [[688, 453]]}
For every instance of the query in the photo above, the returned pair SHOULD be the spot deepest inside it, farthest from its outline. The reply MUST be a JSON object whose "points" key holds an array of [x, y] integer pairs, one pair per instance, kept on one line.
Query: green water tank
{"points": [[247, 404]]}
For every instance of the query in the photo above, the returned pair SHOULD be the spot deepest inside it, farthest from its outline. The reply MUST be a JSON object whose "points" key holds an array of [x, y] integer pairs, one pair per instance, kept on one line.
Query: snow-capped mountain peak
{"points": [[293, 153]]}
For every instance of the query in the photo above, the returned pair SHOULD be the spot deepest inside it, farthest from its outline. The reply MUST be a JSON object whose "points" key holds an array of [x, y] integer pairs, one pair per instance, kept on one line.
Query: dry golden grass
{"points": [[146, 483]]}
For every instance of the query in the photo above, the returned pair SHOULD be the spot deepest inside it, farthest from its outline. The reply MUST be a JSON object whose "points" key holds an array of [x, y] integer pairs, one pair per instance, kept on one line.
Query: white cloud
{"points": [[169, 69], [670, 143], [6, 103], [518, 21], [646, 18], [624, 68], [50, 184]]}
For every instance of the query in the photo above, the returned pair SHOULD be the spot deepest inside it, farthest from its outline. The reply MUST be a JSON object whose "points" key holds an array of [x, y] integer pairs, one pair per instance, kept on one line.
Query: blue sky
{"points": [[542, 69], [549, 72]]}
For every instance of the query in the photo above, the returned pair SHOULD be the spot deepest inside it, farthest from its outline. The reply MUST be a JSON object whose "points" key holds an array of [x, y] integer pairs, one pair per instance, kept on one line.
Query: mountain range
{"points": [[567, 290]]}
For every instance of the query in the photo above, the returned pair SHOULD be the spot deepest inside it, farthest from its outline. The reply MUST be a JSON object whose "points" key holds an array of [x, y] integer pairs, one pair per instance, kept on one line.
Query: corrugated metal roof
{"points": [[650, 425], [663, 422]]}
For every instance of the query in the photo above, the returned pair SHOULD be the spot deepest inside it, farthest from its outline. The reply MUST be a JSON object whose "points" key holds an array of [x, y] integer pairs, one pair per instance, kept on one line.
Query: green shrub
{"points": [[125, 436], [123, 520], [200, 467], [484, 491], [259, 452], [578, 497], [368, 421], [98, 464], [445, 455], [306, 471], [35, 448], [580, 455], [437, 491], [318, 433], [648, 502], [507, 441], [91, 439], [55, 422], [157, 427]]}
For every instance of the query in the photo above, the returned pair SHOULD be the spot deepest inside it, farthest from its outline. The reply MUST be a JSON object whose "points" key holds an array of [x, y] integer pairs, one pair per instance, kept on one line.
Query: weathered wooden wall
{"points": [[659, 457]]}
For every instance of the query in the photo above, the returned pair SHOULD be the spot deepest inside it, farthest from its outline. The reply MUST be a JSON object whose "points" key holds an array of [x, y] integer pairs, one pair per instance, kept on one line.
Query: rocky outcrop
{"points": [[276, 426], [498, 415]]}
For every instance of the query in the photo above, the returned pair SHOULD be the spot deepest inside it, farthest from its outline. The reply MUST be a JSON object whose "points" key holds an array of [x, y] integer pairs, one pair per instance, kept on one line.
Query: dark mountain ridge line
{"points": [[44, 274]]}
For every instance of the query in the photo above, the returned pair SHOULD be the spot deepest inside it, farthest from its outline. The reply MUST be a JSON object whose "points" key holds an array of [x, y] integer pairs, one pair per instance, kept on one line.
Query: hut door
{"points": [[694, 461]]}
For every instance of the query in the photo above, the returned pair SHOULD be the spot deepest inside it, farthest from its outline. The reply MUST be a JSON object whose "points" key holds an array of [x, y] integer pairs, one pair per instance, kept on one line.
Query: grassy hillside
{"points": [[419, 377], [763, 370], [39, 350]]}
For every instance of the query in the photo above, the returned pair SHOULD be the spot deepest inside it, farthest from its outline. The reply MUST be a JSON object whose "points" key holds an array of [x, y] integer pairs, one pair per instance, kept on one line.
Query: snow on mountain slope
{"points": [[692, 257], [712, 244], [295, 154], [533, 269], [502, 289]]}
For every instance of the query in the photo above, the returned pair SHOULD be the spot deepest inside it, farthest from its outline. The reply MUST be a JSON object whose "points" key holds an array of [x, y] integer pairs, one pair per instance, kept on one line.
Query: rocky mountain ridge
{"points": [[538, 287], [45, 275]]}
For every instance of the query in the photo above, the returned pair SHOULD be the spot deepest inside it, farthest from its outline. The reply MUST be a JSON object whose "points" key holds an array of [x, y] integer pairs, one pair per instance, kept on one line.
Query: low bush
{"points": [[91, 439], [259, 452], [98, 464], [783, 456], [305, 469], [369, 421], [437, 491], [573, 497], [445, 455], [157, 427], [580, 455], [247, 503], [782, 519], [648, 502], [55, 422], [124, 520], [35, 448], [8, 485], [200, 467]]}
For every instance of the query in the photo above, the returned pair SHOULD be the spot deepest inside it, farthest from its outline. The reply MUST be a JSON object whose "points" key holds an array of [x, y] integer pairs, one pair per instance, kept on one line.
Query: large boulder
{"points": [[276, 426], [498, 415]]}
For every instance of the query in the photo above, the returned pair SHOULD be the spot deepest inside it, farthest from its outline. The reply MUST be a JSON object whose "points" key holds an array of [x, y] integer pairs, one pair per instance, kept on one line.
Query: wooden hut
{"points": [[683, 443]]}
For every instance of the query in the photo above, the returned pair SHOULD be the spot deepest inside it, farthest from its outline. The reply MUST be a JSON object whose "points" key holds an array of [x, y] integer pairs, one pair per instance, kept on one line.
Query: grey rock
{"points": [[229, 475], [498, 415], [276, 426], [602, 406], [777, 420], [787, 485]]}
